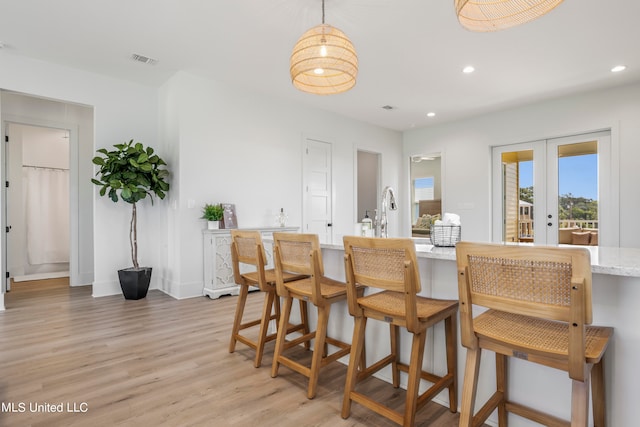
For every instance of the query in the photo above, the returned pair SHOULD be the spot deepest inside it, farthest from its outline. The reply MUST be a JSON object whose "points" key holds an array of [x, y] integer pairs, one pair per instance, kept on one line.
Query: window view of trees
{"points": [[570, 206]]}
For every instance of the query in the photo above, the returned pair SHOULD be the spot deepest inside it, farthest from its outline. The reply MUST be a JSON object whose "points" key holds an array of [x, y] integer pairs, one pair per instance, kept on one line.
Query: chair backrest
{"points": [[298, 254], [386, 264], [380, 263], [295, 252], [540, 281], [247, 248]]}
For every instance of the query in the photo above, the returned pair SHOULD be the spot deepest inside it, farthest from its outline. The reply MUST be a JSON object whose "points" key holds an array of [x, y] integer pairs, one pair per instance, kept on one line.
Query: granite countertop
{"points": [[604, 260]]}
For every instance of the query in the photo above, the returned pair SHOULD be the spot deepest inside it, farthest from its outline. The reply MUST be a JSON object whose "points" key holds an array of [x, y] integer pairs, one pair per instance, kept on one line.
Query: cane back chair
{"points": [[247, 250], [301, 254], [539, 309], [390, 267]]}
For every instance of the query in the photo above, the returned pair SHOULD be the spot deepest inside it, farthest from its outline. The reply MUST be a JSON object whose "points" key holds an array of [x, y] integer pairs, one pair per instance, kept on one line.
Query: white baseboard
{"points": [[40, 276]]}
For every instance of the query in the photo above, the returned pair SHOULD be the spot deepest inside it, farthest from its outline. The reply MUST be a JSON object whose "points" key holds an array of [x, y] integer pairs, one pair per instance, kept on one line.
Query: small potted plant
{"points": [[213, 215]]}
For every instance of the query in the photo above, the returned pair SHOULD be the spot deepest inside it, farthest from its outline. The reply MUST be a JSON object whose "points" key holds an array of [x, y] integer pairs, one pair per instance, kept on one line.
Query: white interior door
{"points": [[318, 194]]}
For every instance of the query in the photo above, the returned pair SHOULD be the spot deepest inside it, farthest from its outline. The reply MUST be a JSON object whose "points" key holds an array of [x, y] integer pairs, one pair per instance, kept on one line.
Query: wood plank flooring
{"points": [[155, 362]]}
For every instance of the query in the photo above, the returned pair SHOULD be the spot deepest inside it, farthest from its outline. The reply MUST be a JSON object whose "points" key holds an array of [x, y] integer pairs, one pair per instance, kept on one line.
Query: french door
{"points": [[555, 191]]}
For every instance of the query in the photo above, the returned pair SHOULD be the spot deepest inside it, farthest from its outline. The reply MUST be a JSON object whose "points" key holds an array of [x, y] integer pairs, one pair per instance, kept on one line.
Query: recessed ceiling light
{"points": [[468, 69], [431, 114], [618, 68]]}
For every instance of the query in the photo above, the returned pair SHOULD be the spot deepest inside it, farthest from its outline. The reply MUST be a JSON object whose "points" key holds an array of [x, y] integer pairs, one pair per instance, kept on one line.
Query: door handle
{"points": [[329, 224]]}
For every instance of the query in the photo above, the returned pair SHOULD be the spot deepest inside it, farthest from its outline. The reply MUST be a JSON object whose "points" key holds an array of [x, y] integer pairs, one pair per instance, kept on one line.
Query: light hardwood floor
{"points": [[156, 362]]}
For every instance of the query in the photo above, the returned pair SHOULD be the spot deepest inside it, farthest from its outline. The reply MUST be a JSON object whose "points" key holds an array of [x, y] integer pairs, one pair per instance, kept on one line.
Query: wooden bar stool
{"points": [[247, 248], [300, 254], [390, 265], [539, 301]]}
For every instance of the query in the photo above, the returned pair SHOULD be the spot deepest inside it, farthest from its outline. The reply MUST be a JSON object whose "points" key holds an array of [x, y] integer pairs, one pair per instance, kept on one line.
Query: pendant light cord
{"points": [[322, 12]]}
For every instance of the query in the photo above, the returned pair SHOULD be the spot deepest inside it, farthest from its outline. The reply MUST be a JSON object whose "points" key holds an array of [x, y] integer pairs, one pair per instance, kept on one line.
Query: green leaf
{"points": [[98, 161], [95, 181], [146, 167], [133, 163], [149, 151], [103, 191], [138, 147], [126, 194], [143, 158]]}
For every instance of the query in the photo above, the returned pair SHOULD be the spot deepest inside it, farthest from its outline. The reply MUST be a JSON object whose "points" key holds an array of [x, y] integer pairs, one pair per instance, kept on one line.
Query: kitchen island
{"points": [[616, 289]]}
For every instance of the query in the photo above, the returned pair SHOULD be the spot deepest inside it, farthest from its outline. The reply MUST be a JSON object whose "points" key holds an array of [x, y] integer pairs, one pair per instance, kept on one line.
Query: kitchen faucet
{"points": [[388, 202]]}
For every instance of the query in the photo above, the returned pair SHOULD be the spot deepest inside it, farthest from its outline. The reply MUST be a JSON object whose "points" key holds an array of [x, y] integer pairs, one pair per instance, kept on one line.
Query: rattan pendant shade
{"points": [[324, 61], [494, 15]]}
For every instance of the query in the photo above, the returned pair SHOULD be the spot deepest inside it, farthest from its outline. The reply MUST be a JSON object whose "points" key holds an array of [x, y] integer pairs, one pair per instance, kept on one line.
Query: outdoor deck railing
{"points": [[525, 225], [582, 223]]}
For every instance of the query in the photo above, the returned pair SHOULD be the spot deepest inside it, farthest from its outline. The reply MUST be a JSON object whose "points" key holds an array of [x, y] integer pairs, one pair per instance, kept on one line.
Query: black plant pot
{"points": [[135, 282]]}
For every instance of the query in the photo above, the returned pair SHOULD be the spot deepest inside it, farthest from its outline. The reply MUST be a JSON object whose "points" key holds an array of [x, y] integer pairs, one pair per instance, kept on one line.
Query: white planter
{"points": [[213, 225]]}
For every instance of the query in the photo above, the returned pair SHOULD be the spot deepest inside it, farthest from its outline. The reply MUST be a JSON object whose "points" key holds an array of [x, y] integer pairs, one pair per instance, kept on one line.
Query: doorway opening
{"points": [[368, 190], [72, 128], [38, 203]]}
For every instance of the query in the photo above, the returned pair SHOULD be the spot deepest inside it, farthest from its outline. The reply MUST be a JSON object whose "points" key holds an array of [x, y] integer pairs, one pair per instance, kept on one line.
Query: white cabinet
{"points": [[218, 268]]}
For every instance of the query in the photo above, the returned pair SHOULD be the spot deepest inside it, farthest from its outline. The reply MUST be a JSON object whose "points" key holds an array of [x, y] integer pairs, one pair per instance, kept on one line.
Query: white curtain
{"points": [[46, 214]]}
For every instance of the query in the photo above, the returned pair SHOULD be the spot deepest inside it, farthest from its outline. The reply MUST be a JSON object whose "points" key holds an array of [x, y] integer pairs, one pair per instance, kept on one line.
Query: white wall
{"points": [[466, 147], [122, 111], [245, 148]]}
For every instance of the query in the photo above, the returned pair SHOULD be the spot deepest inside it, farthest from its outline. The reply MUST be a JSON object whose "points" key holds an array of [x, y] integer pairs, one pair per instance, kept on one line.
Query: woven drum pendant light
{"points": [[494, 15], [324, 61]]}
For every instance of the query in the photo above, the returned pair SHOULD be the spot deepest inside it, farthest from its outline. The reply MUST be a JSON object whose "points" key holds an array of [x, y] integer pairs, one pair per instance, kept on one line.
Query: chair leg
{"points": [[580, 403], [282, 335], [501, 386], [598, 394], [318, 349], [304, 319], [276, 307], [451, 331], [237, 320], [469, 387], [264, 326], [357, 352], [395, 346], [413, 385]]}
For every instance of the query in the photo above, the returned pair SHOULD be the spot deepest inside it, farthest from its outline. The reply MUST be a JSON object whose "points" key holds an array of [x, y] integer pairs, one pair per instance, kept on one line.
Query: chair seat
{"points": [[329, 288], [537, 335], [393, 304], [270, 276]]}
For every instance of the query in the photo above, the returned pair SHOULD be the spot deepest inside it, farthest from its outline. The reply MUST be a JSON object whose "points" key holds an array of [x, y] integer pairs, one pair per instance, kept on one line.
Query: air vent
{"points": [[143, 59]]}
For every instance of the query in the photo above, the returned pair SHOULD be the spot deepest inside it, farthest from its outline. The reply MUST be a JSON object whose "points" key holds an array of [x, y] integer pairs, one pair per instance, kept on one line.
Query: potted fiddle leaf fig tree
{"points": [[130, 173]]}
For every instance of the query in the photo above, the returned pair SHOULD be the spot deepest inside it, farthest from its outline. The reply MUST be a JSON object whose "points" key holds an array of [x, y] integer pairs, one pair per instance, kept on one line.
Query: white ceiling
{"points": [[411, 52]]}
